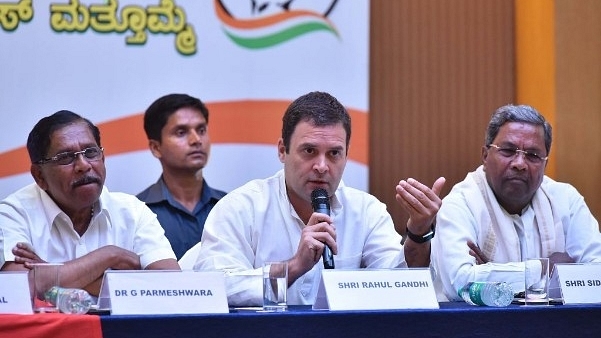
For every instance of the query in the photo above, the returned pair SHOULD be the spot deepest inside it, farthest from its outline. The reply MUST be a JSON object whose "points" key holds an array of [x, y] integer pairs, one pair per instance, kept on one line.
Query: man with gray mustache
{"points": [[68, 215], [508, 211]]}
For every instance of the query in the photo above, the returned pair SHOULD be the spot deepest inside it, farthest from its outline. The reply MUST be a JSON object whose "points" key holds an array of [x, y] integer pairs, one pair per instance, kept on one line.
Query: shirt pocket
{"points": [[348, 261]]}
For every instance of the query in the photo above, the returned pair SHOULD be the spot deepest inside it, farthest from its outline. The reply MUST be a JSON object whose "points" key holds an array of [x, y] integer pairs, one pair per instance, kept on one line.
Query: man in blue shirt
{"points": [[178, 135]]}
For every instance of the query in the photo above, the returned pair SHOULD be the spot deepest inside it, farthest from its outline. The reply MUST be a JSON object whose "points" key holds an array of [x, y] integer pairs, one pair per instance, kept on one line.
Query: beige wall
{"points": [[577, 133], [438, 70]]}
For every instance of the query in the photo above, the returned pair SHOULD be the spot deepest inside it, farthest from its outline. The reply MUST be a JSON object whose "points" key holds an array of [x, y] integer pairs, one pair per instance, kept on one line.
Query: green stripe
{"points": [[277, 38]]}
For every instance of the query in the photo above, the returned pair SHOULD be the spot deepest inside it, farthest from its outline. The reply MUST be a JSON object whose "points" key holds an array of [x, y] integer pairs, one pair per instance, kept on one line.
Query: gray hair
{"points": [[520, 113]]}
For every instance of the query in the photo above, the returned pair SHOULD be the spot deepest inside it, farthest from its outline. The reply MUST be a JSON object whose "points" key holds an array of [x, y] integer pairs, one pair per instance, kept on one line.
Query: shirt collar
{"points": [[53, 211], [49, 206], [158, 192]]}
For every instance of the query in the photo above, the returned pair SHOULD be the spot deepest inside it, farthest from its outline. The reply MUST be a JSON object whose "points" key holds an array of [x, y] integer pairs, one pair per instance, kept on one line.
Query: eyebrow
{"points": [[186, 125], [307, 145], [71, 150], [511, 145]]}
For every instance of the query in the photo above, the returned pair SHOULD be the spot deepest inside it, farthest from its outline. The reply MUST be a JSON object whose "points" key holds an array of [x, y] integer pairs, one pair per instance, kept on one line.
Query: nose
{"points": [[320, 165], [519, 161], [81, 163], [195, 137]]}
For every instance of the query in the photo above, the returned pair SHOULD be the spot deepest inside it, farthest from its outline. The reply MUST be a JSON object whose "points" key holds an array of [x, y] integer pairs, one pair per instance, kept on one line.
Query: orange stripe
{"points": [[246, 121], [359, 136], [535, 59], [249, 121], [260, 122], [14, 162], [261, 22], [123, 135]]}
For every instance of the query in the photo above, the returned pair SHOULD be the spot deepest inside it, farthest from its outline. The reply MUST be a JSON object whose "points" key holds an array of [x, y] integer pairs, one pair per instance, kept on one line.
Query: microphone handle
{"points": [[328, 258]]}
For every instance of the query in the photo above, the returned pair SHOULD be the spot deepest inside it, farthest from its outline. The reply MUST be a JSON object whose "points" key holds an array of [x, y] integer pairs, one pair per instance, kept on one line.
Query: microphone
{"points": [[321, 203]]}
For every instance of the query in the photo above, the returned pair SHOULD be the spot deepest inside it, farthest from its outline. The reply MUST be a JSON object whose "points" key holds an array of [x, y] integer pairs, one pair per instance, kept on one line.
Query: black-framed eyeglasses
{"points": [[512, 152], [90, 154]]}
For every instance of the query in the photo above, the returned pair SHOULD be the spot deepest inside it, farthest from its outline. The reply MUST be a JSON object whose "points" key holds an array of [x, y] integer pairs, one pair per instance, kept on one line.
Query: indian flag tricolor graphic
{"points": [[273, 29], [258, 56]]}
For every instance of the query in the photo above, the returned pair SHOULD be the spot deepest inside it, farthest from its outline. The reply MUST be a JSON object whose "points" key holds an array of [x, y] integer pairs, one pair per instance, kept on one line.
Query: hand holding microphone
{"points": [[321, 204]]}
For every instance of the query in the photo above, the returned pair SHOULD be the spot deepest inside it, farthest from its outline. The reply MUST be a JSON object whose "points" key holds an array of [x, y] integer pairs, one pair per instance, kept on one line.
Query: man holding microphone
{"points": [[273, 219]]}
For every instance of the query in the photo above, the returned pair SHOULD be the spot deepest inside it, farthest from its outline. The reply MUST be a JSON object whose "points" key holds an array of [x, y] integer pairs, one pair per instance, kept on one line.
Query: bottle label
{"points": [[475, 291], [51, 295]]}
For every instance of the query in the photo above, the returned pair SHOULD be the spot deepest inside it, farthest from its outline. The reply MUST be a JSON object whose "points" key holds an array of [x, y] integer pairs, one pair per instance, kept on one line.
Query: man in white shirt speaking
{"points": [[273, 219]]}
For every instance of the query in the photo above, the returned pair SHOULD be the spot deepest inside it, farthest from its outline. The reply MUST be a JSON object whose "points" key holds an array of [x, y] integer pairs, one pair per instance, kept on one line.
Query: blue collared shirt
{"points": [[182, 228]]}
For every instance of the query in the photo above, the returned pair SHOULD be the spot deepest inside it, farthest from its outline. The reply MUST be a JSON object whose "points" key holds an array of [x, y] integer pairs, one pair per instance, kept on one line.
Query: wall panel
{"points": [[577, 140], [438, 69]]}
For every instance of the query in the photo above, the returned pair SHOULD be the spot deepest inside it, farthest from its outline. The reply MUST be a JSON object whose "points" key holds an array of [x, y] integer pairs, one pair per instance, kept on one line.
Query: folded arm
{"points": [[85, 272]]}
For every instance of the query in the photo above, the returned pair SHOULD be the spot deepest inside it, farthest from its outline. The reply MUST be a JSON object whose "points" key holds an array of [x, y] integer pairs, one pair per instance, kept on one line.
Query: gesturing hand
{"points": [[421, 202]]}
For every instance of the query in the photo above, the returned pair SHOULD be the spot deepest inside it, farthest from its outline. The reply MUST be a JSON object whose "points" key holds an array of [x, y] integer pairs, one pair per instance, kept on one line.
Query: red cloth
{"points": [[55, 325]]}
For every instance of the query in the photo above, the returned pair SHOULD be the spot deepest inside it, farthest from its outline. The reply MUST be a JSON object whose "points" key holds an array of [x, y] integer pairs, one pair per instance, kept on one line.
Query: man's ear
{"points": [[281, 150], [155, 148], [484, 154], [38, 176]]}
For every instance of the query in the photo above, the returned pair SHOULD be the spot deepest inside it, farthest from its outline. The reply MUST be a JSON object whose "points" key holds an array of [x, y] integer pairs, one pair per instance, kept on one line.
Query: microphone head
{"points": [[320, 199]]}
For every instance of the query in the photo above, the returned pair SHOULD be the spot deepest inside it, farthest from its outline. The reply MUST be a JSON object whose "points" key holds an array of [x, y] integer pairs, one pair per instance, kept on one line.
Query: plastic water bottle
{"points": [[72, 301], [487, 293]]}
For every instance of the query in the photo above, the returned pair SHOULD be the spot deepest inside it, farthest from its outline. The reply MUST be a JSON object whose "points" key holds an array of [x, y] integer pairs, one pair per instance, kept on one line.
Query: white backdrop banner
{"points": [[107, 60]]}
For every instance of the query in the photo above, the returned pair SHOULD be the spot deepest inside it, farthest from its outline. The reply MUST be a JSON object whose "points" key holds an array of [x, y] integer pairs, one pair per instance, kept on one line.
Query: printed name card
{"points": [[365, 289], [578, 283], [163, 292], [14, 293]]}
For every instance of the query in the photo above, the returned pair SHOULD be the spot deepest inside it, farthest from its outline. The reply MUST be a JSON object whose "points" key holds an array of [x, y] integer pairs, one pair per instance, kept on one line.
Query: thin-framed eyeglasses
{"points": [[512, 152], [90, 154]]}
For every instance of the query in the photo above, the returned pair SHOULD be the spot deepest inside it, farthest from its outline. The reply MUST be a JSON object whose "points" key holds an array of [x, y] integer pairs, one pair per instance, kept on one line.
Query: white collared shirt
{"points": [[256, 223], [29, 215]]}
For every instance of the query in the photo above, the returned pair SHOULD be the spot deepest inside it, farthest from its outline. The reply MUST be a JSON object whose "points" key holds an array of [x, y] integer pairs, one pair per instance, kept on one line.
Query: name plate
{"points": [[14, 293], [576, 283], [163, 292], [365, 289]]}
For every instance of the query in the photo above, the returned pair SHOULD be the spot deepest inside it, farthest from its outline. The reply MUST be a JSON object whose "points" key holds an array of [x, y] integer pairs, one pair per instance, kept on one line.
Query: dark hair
{"points": [[38, 141], [521, 113], [319, 108], [158, 113]]}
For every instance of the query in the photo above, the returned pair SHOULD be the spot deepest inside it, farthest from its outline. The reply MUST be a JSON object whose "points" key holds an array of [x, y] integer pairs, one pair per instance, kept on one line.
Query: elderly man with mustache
{"points": [[508, 210], [69, 216]]}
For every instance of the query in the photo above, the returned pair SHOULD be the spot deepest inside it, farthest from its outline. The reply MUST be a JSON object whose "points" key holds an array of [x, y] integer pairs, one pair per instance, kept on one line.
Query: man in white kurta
{"points": [[507, 210], [273, 219], [465, 217]]}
